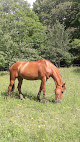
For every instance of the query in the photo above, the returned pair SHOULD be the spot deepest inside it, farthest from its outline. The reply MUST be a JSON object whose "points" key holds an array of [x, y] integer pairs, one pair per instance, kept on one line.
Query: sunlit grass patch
{"points": [[32, 121]]}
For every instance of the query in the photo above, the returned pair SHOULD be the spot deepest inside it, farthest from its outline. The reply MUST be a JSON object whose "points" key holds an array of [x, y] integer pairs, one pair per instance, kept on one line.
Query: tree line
{"points": [[50, 30]]}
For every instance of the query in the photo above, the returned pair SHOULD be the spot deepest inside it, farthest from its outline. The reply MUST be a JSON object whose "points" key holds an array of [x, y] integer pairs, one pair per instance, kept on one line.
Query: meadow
{"points": [[32, 121]]}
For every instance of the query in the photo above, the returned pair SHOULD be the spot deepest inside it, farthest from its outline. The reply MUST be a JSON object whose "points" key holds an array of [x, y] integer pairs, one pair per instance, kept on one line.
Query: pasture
{"points": [[32, 121]]}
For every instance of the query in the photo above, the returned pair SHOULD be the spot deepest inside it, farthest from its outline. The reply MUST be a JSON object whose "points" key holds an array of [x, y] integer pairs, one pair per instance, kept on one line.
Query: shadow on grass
{"points": [[77, 70], [2, 73], [52, 101], [26, 95], [16, 95], [34, 97], [30, 96], [4, 94]]}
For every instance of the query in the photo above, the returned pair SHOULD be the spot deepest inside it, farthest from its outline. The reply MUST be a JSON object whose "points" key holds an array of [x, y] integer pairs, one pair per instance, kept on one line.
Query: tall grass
{"points": [[31, 121]]}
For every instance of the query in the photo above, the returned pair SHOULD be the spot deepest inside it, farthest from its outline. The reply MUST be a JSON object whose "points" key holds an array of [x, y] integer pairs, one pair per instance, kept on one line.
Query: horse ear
{"points": [[64, 85]]}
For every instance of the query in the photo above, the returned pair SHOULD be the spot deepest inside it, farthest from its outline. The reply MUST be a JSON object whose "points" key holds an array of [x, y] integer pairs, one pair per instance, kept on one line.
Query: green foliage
{"points": [[57, 49], [68, 14], [50, 11], [22, 35], [75, 49], [2, 59]]}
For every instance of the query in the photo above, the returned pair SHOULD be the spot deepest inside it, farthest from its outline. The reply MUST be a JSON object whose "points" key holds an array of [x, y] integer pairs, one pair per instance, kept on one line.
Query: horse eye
{"points": [[61, 91]]}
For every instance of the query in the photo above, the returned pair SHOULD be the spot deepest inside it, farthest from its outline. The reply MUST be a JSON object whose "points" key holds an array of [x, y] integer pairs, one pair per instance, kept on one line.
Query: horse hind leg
{"points": [[19, 87], [39, 93], [11, 87]]}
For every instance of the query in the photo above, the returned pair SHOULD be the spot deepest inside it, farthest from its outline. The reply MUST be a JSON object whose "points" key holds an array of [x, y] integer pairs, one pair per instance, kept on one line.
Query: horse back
{"points": [[34, 70], [31, 70]]}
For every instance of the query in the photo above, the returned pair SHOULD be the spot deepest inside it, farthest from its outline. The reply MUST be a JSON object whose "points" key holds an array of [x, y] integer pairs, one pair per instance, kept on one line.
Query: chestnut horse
{"points": [[38, 70]]}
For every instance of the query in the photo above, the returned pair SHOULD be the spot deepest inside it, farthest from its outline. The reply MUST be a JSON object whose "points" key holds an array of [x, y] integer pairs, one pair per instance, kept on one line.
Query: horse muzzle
{"points": [[58, 101]]}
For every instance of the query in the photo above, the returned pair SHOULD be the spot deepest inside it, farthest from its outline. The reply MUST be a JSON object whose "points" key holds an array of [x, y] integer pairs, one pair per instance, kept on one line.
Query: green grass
{"points": [[31, 121]]}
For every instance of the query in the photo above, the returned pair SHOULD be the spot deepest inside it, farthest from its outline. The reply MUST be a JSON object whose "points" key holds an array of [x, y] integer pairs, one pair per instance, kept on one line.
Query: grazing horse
{"points": [[38, 70]]}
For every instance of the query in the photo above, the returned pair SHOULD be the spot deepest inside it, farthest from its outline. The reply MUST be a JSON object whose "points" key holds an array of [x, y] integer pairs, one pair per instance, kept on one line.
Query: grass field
{"points": [[32, 121]]}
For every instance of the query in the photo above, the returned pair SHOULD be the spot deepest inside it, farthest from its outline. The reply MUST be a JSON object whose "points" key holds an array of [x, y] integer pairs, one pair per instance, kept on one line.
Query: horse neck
{"points": [[56, 75]]}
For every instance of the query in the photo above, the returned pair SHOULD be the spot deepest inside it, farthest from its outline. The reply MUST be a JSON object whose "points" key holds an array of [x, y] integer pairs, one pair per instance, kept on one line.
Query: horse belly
{"points": [[29, 77]]}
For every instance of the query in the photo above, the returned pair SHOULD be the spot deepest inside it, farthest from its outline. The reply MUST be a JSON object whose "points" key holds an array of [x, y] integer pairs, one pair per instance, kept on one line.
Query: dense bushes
{"points": [[48, 34]]}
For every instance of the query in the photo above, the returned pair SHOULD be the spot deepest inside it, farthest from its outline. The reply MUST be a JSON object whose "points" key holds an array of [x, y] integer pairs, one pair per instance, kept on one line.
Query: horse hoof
{"points": [[44, 101], [58, 101], [38, 100], [21, 97]]}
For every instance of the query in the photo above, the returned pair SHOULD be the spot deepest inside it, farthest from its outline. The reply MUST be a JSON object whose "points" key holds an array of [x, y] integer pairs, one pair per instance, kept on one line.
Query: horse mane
{"points": [[56, 74]]}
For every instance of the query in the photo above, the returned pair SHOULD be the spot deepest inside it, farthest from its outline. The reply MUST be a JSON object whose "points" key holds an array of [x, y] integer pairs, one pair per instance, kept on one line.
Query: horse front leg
{"points": [[19, 87], [42, 87]]}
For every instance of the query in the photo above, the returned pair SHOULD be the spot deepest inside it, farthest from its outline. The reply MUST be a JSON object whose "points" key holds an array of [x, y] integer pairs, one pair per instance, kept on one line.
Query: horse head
{"points": [[59, 92]]}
